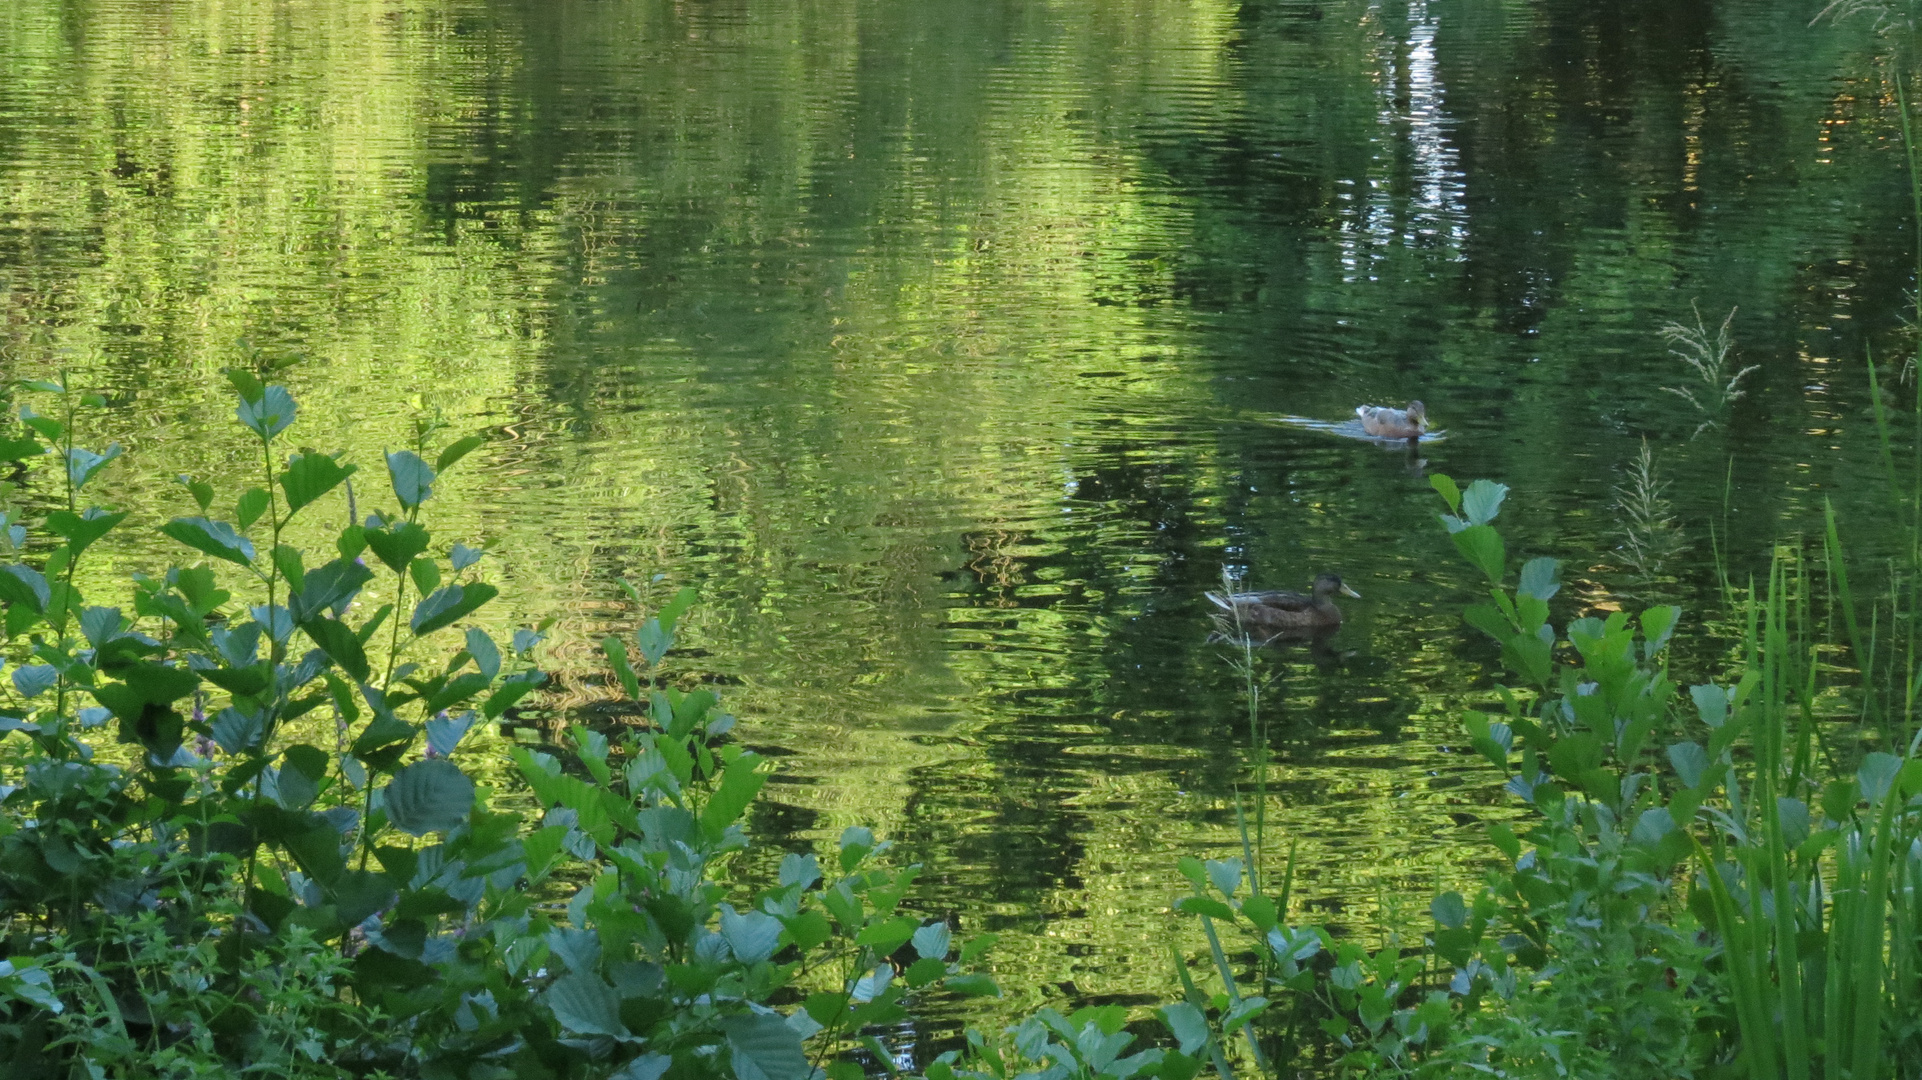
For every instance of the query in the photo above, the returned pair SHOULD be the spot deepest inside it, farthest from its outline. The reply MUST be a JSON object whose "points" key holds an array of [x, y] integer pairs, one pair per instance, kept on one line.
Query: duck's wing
{"points": [[1273, 601]]}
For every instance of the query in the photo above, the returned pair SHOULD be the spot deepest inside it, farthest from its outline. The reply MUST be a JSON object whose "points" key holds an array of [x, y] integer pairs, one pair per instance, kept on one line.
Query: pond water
{"points": [[948, 347]]}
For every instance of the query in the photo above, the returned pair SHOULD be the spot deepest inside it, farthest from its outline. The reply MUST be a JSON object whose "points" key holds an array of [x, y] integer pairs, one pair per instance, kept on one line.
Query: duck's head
{"points": [[1329, 584], [1418, 413]]}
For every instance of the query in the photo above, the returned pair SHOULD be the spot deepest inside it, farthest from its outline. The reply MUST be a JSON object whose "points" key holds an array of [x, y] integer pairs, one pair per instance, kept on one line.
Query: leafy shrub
{"points": [[230, 896]]}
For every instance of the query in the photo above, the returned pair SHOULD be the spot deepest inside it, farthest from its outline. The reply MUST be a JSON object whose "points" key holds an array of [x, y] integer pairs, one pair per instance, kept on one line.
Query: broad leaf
{"points": [[22, 584], [397, 546], [330, 586], [82, 465], [251, 504], [487, 655], [753, 936], [268, 414], [1541, 578], [81, 530], [763, 1047], [1482, 501], [413, 478], [587, 1005], [447, 606], [216, 538], [309, 476], [1482, 546], [429, 796], [458, 449]]}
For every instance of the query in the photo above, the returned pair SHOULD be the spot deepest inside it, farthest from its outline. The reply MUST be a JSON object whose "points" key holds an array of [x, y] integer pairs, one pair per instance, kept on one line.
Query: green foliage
{"points": [[225, 898]]}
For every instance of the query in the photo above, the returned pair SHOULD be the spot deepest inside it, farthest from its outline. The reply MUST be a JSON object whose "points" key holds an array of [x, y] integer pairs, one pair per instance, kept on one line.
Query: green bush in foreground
{"points": [[231, 898]]}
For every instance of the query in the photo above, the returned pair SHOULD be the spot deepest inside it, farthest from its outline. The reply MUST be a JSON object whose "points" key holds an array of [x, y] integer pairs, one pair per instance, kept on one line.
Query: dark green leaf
{"points": [[429, 796], [1449, 910], [250, 506], [1482, 546], [22, 584], [763, 1047], [309, 476], [397, 546], [81, 530], [450, 604], [332, 585], [359, 893], [585, 1004], [1205, 905], [456, 450], [216, 538]]}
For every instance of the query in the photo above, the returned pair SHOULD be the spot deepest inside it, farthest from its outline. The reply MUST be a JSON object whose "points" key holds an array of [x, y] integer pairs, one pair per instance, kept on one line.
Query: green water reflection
{"points": [[942, 345]]}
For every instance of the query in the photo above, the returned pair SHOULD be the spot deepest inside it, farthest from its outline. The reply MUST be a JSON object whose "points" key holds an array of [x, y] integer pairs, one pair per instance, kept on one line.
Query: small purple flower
{"points": [[205, 745]]}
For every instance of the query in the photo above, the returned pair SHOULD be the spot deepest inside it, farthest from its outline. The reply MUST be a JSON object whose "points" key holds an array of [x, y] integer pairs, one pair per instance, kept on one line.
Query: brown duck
{"points": [[1386, 423], [1287, 610]]}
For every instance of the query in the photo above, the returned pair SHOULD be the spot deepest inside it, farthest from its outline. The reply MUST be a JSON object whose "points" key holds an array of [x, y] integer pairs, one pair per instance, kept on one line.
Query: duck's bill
{"points": [[1346, 591]]}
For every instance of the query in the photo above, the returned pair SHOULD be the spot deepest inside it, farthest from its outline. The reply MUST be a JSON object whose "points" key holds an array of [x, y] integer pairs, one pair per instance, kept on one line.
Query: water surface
{"points": [[945, 345]]}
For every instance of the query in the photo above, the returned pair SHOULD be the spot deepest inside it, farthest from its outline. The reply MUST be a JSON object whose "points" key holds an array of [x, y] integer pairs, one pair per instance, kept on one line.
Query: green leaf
{"points": [[20, 446], [1449, 910], [1658, 625], [22, 584], [1541, 578], [81, 530], [752, 936], [413, 478], [429, 796], [1186, 1023], [216, 538], [359, 893], [1505, 840], [450, 604], [886, 936], [486, 655], [676, 608], [763, 1047], [82, 465], [243, 382], [341, 646], [160, 684], [458, 449], [456, 691], [330, 585], [616, 651], [397, 546], [1877, 775], [808, 929], [932, 941], [425, 574], [268, 414], [584, 1003], [971, 984], [1451, 494], [250, 506], [1482, 546], [309, 476], [1205, 905], [1482, 501], [739, 784]]}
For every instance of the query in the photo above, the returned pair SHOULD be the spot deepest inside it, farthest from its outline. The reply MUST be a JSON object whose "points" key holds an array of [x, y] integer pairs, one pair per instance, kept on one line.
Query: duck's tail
{"points": [[1221, 602]]}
